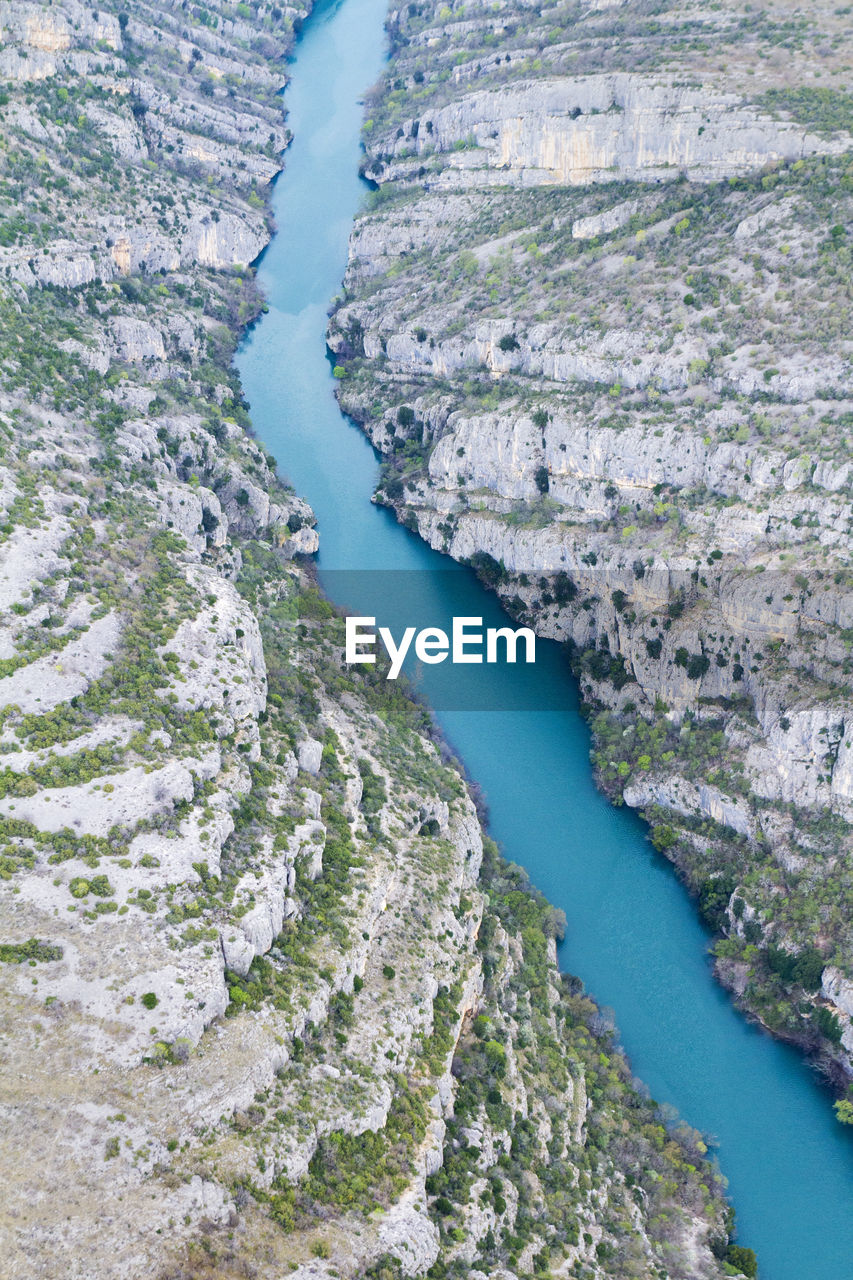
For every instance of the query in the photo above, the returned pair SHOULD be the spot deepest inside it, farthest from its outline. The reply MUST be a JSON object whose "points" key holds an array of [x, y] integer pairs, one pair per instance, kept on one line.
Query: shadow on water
{"points": [[633, 936]]}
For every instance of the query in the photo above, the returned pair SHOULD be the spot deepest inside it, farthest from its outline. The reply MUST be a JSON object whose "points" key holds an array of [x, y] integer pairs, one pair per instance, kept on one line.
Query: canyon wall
{"points": [[594, 318]]}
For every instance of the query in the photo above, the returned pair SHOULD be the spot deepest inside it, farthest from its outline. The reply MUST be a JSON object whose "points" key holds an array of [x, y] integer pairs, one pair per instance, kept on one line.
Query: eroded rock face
{"points": [[31, 27], [227, 241], [576, 131], [583, 324]]}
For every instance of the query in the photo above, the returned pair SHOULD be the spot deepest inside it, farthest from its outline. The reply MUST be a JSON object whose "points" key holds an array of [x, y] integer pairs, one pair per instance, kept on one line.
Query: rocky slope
{"points": [[268, 1003], [594, 318]]}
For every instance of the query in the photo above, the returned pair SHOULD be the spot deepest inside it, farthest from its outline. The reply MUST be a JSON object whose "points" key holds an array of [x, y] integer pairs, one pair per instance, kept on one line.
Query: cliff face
{"points": [[268, 1005], [573, 131], [593, 320]]}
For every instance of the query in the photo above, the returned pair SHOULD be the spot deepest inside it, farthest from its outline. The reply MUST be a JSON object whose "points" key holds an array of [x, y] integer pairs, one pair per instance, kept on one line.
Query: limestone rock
{"points": [[309, 754]]}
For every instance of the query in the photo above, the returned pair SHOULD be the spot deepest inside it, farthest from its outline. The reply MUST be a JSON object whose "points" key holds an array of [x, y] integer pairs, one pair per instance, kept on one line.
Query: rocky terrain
{"points": [[270, 1003], [595, 319]]}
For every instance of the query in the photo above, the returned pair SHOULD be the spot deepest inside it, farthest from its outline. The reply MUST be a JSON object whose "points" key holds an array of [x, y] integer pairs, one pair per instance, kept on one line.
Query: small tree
{"points": [[844, 1110], [743, 1260], [697, 666], [495, 1057], [663, 838]]}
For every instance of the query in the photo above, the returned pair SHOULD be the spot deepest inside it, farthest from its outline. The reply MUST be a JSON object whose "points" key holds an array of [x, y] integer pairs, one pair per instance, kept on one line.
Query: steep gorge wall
{"points": [[593, 320]]}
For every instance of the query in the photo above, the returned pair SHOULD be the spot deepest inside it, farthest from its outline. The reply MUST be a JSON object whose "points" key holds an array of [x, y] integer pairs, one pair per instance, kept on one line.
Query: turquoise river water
{"points": [[633, 935]]}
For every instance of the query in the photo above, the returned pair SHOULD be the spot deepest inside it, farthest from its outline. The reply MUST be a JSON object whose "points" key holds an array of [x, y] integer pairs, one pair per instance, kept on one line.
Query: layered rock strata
{"points": [[593, 319]]}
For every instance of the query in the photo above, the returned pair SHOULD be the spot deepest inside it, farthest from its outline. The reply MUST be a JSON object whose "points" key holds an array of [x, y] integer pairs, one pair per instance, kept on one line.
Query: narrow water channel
{"points": [[633, 935]]}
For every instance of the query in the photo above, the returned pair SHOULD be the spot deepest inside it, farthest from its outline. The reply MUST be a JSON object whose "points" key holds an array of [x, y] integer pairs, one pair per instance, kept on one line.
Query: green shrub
{"points": [[495, 1057], [828, 1024], [824, 109], [743, 1260], [362, 1171], [714, 896], [34, 950], [663, 838], [489, 570], [844, 1110], [697, 666], [805, 969], [373, 795]]}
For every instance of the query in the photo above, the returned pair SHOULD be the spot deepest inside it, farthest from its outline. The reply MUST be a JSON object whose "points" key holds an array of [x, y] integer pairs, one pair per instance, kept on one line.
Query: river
{"points": [[633, 935]]}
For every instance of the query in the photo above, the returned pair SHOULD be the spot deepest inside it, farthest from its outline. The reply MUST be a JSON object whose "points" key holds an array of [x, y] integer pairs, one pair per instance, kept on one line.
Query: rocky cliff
{"points": [[269, 1005], [593, 319]]}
